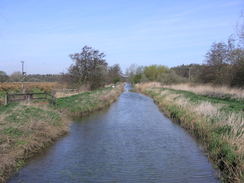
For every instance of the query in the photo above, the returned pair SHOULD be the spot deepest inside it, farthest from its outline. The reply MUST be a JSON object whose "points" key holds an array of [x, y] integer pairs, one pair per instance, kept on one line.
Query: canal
{"points": [[131, 142]]}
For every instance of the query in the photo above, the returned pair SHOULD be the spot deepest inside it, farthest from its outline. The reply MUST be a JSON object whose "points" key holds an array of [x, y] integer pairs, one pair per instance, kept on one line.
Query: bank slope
{"points": [[217, 123], [26, 129]]}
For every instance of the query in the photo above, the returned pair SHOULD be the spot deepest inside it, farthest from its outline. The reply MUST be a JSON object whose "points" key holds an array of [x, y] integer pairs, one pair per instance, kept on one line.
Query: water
{"points": [[131, 142]]}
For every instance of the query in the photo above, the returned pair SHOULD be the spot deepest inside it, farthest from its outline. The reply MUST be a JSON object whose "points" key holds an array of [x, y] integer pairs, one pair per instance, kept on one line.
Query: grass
{"points": [[87, 102], [229, 104], [26, 129], [217, 122], [210, 90]]}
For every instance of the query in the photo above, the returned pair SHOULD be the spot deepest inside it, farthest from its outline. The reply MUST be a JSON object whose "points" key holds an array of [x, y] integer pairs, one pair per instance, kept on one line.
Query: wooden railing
{"points": [[15, 97]]}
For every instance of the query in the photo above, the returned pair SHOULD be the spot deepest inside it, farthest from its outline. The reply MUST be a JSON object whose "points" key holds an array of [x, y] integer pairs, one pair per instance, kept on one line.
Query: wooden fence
{"points": [[15, 97]]}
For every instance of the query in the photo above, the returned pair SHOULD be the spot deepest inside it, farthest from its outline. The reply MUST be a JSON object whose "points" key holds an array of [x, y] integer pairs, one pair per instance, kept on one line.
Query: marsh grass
{"points": [[218, 123]]}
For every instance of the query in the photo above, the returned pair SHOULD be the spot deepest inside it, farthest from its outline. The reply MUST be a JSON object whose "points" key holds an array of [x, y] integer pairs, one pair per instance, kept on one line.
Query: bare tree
{"points": [[240, 29]]}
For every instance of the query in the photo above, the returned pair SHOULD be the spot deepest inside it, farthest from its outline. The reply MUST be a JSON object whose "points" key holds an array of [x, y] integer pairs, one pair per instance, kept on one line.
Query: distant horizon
{"points": [[44, 33]]}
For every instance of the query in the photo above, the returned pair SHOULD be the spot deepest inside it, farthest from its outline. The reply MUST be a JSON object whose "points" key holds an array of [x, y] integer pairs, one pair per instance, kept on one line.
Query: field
{"points": [[214, 115], [25, 129]]}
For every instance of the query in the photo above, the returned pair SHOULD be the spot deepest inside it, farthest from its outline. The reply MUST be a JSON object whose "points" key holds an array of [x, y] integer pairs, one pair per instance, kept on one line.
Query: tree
{"points": [[240, 29], [3, 76], [90, 67], [114, 74], [154, 72], [135, 73], [218, 59], [217, 55], [16, 76], [237, 67]]}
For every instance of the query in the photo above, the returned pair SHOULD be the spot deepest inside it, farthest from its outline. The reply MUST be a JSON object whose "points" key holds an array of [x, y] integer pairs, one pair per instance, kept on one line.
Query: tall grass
{"points": [[210, 90], [24, 130], [218, 123]]}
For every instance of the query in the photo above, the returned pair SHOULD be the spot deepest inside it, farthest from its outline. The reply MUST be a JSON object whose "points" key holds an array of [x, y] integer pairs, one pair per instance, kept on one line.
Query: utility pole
{"points": [[23, 75], [22, 62], [189, 73]]}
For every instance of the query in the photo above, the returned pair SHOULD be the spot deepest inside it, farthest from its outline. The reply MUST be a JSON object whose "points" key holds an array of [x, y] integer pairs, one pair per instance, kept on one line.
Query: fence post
{"points": [[53, 100], [6, 99], [28, 98]]}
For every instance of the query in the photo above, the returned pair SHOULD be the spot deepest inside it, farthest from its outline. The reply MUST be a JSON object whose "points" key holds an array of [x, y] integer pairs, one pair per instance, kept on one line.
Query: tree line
{"points": [[224, 65], [19, 77]]}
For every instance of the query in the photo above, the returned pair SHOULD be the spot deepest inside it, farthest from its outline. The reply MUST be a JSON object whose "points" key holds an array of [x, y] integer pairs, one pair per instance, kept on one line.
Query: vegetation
{"points": [[223, 92], [224, 65], [3, 76], [217, 122], [90, 68], [26, 129], [157, 73], [43, 78], [17, 77], [84, 103], [28, 86]]}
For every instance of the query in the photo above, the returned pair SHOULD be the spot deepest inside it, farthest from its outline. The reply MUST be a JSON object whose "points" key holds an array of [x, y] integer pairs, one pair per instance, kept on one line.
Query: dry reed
{"points": [[210, 90]]}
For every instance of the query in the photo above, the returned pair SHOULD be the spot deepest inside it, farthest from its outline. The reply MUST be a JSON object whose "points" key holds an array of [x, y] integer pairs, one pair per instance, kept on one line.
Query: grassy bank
{"points": [[217, 122], [26, 129], [84, 103]]}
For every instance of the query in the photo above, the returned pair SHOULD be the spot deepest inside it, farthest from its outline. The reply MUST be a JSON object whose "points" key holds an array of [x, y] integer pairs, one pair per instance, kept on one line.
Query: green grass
{"points": [[14, 132], [2, 93], [25, 114], [83, 102], [7, 108], [230, 105]]}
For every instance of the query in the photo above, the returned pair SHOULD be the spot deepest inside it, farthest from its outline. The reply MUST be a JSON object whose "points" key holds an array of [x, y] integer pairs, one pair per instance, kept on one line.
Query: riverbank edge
{"points": [[201, 130], [18, 160]]}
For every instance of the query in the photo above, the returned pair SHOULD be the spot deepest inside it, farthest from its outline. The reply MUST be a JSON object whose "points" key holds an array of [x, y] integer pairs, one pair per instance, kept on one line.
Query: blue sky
{"points": [[168, 32]]}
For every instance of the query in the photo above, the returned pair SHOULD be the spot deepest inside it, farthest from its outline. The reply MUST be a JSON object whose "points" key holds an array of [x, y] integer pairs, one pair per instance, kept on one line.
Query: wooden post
{"points": [[53, 100], [28, 98], [6, 99]]}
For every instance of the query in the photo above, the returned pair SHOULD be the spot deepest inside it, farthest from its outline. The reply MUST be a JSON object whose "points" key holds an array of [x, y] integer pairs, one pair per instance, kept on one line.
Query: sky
{"points": [[168, 32]]}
